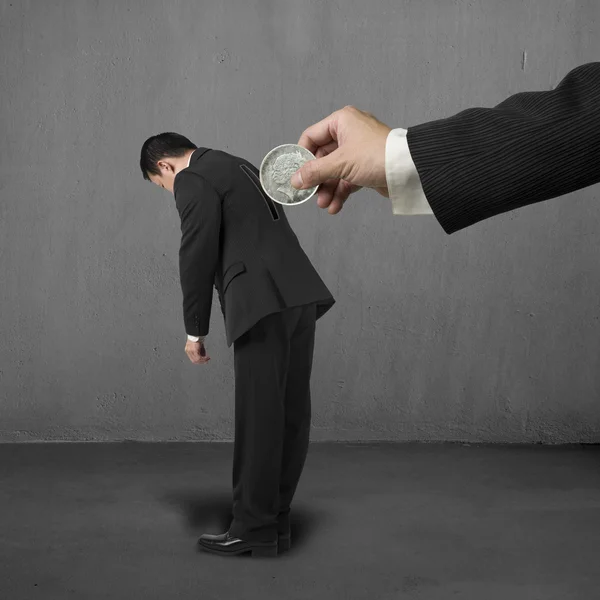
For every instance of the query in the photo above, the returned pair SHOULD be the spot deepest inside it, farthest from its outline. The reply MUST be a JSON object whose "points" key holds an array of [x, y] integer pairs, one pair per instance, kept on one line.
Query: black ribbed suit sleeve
{"points": [[199, 207], [531, 147]]}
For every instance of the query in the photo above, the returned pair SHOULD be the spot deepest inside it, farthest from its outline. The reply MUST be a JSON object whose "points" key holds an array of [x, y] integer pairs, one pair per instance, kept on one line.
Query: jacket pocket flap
{"points": [[233, 271]]}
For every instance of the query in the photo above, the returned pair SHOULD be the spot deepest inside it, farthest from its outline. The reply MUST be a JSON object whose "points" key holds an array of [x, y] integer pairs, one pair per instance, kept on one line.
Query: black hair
{"points": [[159, 147]]}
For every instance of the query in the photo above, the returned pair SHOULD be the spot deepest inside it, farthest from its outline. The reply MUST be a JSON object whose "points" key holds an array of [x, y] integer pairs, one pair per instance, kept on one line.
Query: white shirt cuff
{"points": [[404, 184], [195, 338]]}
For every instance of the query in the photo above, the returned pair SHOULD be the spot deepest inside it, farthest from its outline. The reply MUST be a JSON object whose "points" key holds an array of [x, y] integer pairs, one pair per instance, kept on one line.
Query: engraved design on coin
{"points": [[276, 171], [283, 166]]}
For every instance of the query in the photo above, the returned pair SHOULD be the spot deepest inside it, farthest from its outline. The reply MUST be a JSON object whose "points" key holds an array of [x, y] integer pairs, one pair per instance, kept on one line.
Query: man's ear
{"points": [[164, 165]]}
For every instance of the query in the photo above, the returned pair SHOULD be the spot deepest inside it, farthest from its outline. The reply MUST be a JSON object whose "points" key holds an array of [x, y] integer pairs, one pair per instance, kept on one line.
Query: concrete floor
{"points": [[373, 521]]}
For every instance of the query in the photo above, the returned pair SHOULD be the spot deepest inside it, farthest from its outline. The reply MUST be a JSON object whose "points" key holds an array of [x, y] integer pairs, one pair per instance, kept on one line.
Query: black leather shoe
{"points": [[227, 545]]}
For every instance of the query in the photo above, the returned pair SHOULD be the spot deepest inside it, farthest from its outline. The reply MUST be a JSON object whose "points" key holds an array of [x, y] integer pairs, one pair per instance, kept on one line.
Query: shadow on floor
{"points": [[211, 513]]}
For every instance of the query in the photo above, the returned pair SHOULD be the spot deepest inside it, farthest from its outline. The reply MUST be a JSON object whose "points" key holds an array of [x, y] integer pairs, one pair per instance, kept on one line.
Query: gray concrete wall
{"points": [[490, 334]]}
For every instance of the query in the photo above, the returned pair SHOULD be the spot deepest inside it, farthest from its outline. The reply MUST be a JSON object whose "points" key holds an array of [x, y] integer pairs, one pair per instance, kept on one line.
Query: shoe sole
{"points": [[257, 551]]}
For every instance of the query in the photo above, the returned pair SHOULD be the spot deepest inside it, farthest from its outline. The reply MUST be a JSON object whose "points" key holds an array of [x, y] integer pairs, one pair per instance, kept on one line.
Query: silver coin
{"points": [[276, 171]]}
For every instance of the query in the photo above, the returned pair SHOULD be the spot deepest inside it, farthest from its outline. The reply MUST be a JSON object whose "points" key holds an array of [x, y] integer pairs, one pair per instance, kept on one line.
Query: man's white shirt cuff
{"points": [[404, 183]]}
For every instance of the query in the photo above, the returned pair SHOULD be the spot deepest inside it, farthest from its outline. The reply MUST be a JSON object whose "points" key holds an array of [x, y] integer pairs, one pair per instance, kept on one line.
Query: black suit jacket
{"points": [[532, 147], [235, 238]]}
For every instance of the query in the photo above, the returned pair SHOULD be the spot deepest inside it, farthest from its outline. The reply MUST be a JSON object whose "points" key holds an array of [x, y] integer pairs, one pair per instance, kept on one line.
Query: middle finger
{"points": [[325, 193], [340, 195]]}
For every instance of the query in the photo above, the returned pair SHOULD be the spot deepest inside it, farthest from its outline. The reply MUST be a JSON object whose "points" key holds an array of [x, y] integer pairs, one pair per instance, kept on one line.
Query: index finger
{"points": [[320, 134]]}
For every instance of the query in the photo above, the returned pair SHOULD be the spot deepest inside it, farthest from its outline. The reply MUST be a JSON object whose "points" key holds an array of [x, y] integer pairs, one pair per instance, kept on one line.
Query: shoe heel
{"points": [[264, 551], [284, 544]]}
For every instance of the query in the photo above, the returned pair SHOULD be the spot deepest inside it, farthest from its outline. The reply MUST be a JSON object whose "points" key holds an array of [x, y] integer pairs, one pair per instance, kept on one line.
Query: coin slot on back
{"points": [[254, 179]]}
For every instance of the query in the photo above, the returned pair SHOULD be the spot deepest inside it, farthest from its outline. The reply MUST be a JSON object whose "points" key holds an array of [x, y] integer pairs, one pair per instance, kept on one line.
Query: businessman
{"points": [[235, 238], [481, 162]]}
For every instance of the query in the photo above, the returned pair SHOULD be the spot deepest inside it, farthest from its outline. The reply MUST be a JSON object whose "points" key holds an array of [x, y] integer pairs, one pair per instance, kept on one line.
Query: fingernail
{"points": [[297, 180]]}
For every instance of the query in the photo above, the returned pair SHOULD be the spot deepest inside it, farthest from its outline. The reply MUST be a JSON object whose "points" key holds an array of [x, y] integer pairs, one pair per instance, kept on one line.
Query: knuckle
{"points": [[345, 187]]}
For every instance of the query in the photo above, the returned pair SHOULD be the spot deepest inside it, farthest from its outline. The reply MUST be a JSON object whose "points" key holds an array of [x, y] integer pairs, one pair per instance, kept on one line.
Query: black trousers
{"points": [[273, 363]]}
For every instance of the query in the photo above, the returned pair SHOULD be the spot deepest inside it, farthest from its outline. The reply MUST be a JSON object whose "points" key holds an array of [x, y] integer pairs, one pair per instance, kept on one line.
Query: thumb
{"points": [[317, 171]]}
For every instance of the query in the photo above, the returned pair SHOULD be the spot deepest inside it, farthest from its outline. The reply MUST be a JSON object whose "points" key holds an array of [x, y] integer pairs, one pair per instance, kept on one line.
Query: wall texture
{"points": [[491, 334]]}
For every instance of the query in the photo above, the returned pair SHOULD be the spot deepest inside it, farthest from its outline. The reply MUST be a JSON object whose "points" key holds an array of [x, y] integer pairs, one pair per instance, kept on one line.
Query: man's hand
{"points": [[349, 146], [196, 352]]}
